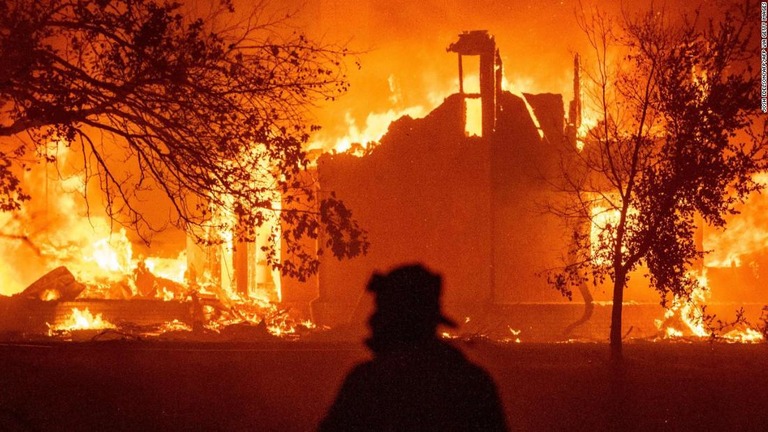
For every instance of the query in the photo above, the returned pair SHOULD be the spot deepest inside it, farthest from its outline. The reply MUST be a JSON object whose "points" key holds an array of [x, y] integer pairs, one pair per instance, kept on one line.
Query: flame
{"points": [[111, 254], [166, 295], [700, 79], [174, 326], [474, 120], [279, 324], [589, 120], [473, 125], [748, 335], [746, 233], [96, 254], [354, 134], [358, 137], [273, 224], [603, 219], [82, 320], [174, 269], [286, 327], [685, 318], [57, 228], [50, 295], [281, 330]]}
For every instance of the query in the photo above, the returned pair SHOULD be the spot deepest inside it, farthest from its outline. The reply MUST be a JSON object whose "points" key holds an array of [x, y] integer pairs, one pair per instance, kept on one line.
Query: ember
{"points": [[80, 320]]}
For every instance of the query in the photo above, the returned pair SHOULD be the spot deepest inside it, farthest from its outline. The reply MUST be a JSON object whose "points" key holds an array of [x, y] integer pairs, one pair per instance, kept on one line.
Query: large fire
{"points": [[357, 138], [101, 256], [96, 262], [745, 238], [689, 319]]}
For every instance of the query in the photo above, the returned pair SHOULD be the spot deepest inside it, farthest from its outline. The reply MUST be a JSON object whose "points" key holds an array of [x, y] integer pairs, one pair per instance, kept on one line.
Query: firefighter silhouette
{"points": [[415, 381]]}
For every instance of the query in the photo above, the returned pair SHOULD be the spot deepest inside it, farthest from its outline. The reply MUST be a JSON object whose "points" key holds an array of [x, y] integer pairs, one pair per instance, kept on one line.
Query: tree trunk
{"points": [[616, 310], [589, 306]]}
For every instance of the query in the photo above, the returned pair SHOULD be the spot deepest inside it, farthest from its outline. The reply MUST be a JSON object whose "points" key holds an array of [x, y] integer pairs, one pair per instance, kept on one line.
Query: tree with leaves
{"points": [[677, 143], [207, 109]]}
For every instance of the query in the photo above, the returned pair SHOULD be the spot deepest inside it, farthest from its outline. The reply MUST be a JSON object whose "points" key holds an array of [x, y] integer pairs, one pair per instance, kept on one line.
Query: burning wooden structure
{"points": [[470, 205], [474, 206], [467, 205]]}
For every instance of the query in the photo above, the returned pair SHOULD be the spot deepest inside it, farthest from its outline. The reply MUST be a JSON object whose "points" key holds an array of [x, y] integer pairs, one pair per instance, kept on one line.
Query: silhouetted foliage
{"points": [[677, 142], [207, 110]]}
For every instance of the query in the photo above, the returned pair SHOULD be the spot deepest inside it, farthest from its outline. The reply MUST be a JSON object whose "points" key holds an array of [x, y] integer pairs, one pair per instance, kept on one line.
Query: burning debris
{"points": [[58, 284], [469, 184], [196, 314], [688, 319], [466, 184], [139, 298], [96, 283], [81, 320]]}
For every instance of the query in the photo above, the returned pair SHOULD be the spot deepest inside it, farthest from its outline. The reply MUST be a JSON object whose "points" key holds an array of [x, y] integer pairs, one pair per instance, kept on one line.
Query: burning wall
{"points": [[423, 194], [468, 206], [465, 205], [472, 207], [65, 262]]}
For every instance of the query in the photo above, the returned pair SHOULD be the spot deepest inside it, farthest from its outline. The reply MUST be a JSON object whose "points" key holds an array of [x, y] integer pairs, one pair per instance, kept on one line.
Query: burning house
{"points": [[462, 203], [463, 190], [69, 270], [459, 190]]}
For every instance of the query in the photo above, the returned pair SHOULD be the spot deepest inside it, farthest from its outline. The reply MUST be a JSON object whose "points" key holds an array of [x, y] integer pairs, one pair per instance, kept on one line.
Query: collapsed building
{"points": [[469, 206], [475, 208], [472, 206]]}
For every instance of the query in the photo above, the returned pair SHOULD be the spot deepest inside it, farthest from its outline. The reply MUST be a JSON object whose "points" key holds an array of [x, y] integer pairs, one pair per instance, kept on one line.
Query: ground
{"points": [[286, 386]]}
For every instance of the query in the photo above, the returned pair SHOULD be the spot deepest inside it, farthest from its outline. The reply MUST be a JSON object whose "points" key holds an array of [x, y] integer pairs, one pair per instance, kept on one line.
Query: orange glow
{"points": [[686, 315], [358, 136], [168, 268], [101, 256], [684, 319], [82, 320], [174, 326], [517, 87], [603, 219], [50, 295], [589, 120], [474, 122], [745, 236], [109, 256]]}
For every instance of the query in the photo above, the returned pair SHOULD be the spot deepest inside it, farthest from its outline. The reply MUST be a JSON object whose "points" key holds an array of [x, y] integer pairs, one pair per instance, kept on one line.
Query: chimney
{"points": [[480, 43], [574, 111]]}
